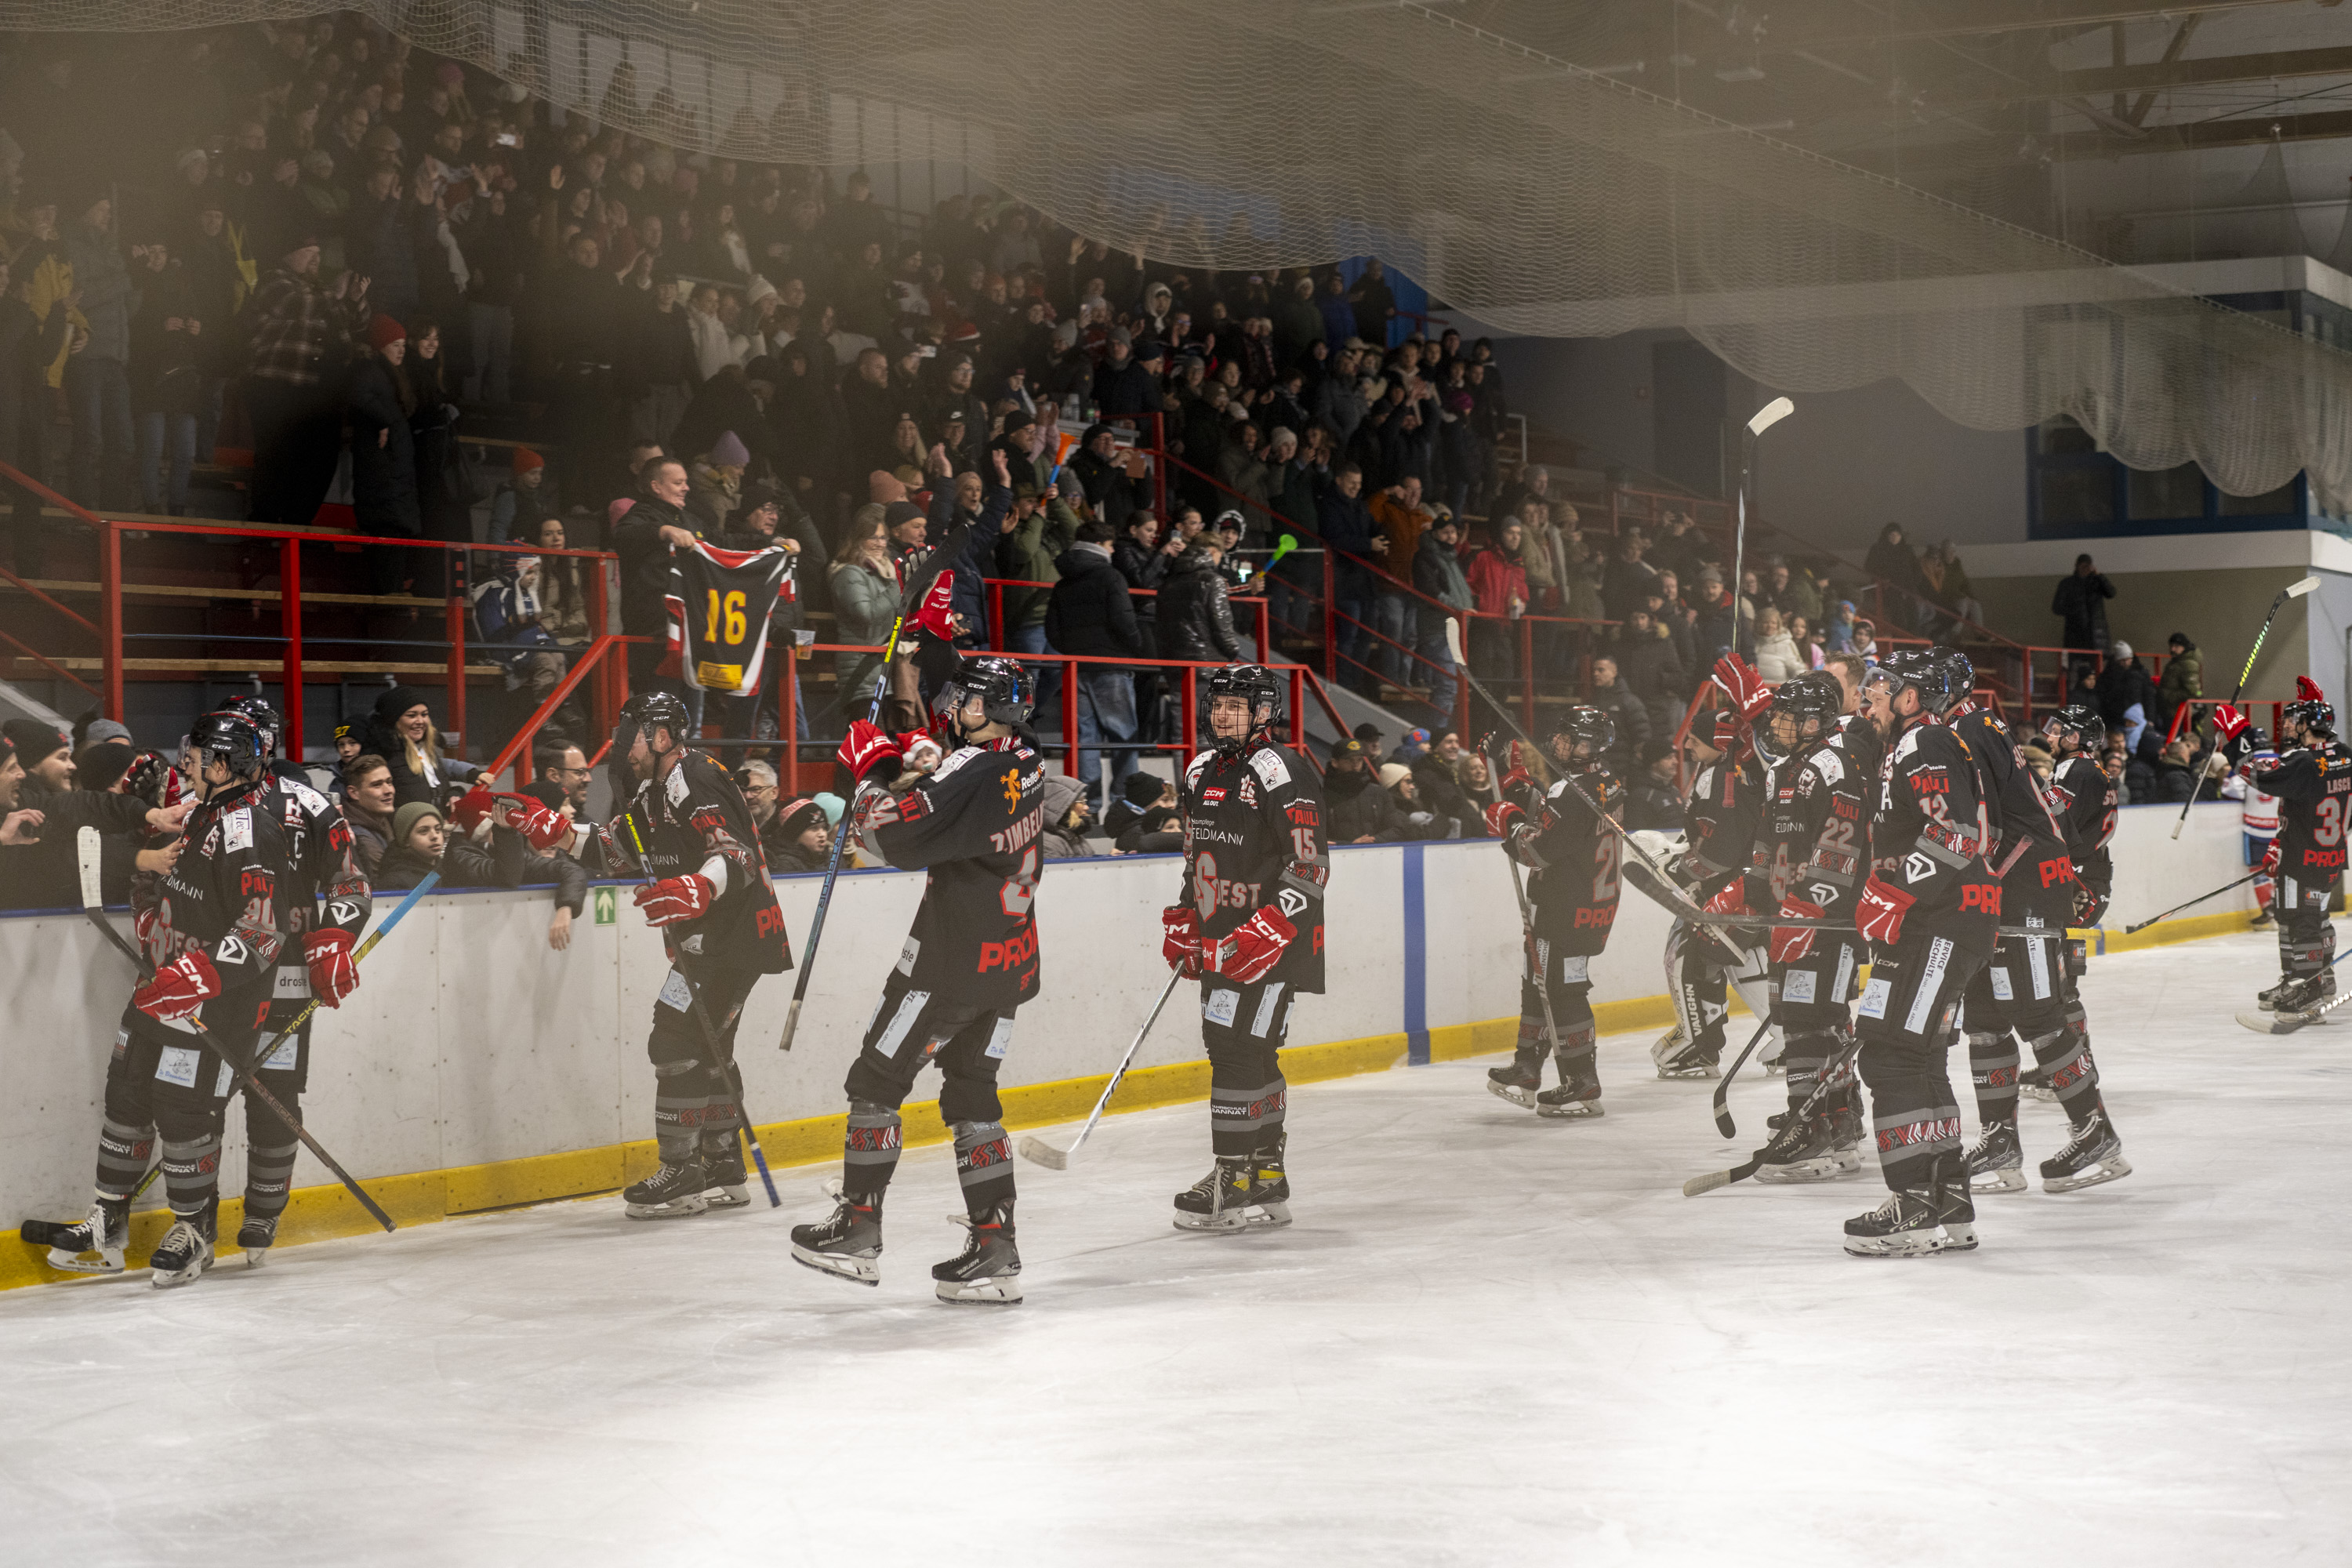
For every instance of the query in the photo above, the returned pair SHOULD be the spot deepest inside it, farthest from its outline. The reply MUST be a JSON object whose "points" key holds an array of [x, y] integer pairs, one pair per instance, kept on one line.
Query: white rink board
{"points": [[468, 1041]]}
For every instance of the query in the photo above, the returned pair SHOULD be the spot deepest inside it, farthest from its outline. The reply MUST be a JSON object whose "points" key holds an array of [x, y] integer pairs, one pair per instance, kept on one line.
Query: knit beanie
{"points": [[1142, 788], [383, 332], [99, 766], [729, 451], [525, 461], [106, 729], [405, 820], [36, 742]]}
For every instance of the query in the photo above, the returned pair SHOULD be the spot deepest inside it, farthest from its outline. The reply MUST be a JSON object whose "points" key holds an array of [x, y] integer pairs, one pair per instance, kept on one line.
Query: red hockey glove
{"points": [[867, 746], [1791, 944], [2230, 722], [1180, 938], [1879, 914], [2307, 690], [937, 615], [2271, 859], [178, 989], [1731, 900], [675, 899], [1738, 680], [1501, 817], [1516, 780], [333, 973], [2089, 904], [145, 923], [542, 827], [1249, 951], [472, 807], [1727, 729]]}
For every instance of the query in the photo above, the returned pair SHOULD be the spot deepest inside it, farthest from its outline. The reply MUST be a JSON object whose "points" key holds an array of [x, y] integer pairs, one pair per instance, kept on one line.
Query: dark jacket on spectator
{"points": [[1196, 619], [383, 472], [1088, 612], [645, 561], [517, 864], [46, 875], [1125, 390], [1649, 667], [2081, 602], [1442, 794], [1114, 496], [1633, 722], [1356, 806], [1437, 572], [1345, 525], [463, 864], [2120, 686]]}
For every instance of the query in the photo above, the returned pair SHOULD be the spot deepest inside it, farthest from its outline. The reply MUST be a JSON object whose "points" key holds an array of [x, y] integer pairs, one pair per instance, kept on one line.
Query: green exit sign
{"points": [[606, 906]]}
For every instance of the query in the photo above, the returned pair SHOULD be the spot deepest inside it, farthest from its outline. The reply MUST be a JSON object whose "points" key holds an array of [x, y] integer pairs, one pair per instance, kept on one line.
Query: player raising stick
{"points": [[1573, 856], [1251, 928], [970, 961], [2313, 781]]}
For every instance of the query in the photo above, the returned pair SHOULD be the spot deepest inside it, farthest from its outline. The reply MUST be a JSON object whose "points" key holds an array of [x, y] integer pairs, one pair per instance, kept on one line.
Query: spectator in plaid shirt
{"points": [[301, 335]]}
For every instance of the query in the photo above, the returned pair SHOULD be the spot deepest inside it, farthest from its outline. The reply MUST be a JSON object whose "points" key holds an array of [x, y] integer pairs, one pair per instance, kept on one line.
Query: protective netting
{"points": [[1517, 186]]}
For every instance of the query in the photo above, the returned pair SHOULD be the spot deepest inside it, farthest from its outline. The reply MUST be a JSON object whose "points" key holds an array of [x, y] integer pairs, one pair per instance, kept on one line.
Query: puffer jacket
{"points": [[1196, 619]]}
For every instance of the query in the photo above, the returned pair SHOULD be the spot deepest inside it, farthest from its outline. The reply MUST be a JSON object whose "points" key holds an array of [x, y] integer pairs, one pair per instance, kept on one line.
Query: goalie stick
{"points": [[1053, 1158]]}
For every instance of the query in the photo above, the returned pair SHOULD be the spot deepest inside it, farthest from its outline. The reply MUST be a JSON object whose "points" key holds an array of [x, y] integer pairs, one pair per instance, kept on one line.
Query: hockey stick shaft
{"points": [[1030, 1146], [2192, 903], [1834, 1076], [1723, 1122], [367, 945], [714, 1063], [2291, 591], [1535, 967]]}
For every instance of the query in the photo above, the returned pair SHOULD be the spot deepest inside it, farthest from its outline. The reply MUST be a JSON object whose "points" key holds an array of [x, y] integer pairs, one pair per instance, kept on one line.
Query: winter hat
{"points": [[729, 451], [383, 332], [2120, 651], [1142, 788], [833, 806], [106, 729], [798, 817], [525, 461], [36, 742], [405, 820], [900, 511], [100, 765], [1393, 772], [1120, 335]]}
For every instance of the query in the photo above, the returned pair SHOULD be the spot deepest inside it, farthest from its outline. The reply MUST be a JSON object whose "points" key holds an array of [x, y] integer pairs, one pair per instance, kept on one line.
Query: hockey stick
{"points": [[1835, 1076], [733, 1075], [2291, 591], [1053, 1158], [1663, 893], [367, 945], [1763, 419], [1723, 1122], [1535, 967], [86, 850], [2288, 1022], [2192, 903]]}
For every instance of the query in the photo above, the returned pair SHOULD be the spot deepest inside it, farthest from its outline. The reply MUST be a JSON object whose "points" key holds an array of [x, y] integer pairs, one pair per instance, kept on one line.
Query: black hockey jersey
{"points": [[2084, 799], [2028, 848], [695, 820], [2314, 786], [223, 898], [1816, 831], [1929, 835], [1254, 835], [1574, 859], [1721, 823], [720, 605], [322, 862], [972, 827]]}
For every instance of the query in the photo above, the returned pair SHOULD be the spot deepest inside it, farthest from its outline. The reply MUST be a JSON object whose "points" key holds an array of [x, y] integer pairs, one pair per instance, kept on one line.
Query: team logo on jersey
{"points": [[1917, 867], [1012, 791], [1213, 795], [1293, 903], [238, 825]]}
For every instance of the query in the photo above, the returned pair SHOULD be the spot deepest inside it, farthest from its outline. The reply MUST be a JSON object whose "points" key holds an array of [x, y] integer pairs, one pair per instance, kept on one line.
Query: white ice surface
{"points": [[1489, 1340]]}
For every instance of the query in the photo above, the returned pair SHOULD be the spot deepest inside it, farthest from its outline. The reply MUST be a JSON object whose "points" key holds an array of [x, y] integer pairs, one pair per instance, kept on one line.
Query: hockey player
{"points": [[1573, 856], [970, 959], [708, 889], [2259, 814], [1815, 840], [211, 927], [1929, 911], [1250, 926], [323, 861], [2313, 781]]}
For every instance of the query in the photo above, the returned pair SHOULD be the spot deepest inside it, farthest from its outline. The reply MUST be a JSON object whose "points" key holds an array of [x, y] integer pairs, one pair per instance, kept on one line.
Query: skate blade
{"points": [[1702, 1069], [2002, 1181], [995, 1291], [1574, 1110], [1774, 1069], [107, 1261], [856, 1270], [676, 1208], [727, 1198], [255, 1257], [1903, 1243], [2042, 1092], [178, 1276], [1823, 1168], [1233, 1222], [2113, 1168], [1523, 1098], [1958, 1238]]}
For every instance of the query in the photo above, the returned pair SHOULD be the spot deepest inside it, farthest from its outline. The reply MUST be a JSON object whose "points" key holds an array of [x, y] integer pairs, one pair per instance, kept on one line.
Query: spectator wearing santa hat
{"points": [[525, 500]]}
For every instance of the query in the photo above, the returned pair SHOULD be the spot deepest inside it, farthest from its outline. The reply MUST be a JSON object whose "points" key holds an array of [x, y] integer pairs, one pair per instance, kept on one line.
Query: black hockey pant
{"points": [[2025, 998], [1244, 1027], [1811, 1000], [173, 1076], [1905, 1023], [910, 1028], [695, 1080], [1566, 986], [2306, 938]]}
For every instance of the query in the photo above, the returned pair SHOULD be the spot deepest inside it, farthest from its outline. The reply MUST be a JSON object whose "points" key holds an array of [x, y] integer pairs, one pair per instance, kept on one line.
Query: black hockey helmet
{"points": [[1811, 703], [1253, 684], [1581, 724], [1960, 674], [264, 719], [2081, 721], [651, 711], [1923, 672], [1006, 688], [230, 738], [2314, 714]]}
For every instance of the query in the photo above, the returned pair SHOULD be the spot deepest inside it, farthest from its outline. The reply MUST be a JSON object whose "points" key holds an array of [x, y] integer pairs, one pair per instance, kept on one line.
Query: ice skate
{"points": [[1956, 1210], [1271, 1180], [1678, 1054], [1845, 1137], [2093, 1155], [671, 1193], [1997, 1165], [185, 1251], [987, 1272], [1776, 1047], [2263, 919], [1227, 1200], [2298, 993], [1807, 1153], [2034, 1084], [847, 1244], [95, 1245], [724, 1178], [1517, 1082], [256, 1233], [1905, 1225], [1578, 1094]]}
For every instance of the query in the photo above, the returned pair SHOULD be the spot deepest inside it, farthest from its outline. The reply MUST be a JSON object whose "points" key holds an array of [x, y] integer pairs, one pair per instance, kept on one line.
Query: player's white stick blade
{"points": [[1039, 1151], [1706, 1184], [1771, 413], [1453, 639], [2297, 590], [86, 854], [2275, 1023]]}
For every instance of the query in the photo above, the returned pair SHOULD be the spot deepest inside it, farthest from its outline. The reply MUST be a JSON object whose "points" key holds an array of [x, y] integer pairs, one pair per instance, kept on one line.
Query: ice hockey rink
{"points": [[1487, 1339]]}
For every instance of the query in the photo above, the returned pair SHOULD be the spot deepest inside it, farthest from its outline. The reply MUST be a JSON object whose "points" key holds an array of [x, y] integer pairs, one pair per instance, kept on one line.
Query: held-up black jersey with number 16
{"points": [[1573, 856], [1254, 837], [2313, 785], [972, 826]]}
